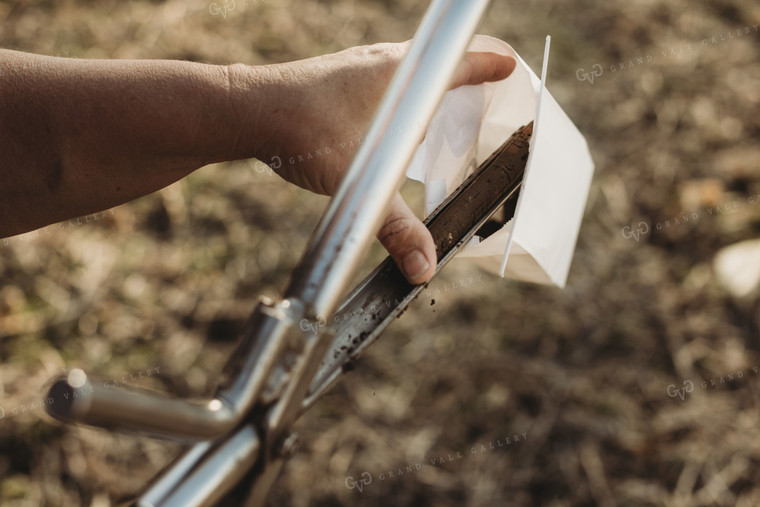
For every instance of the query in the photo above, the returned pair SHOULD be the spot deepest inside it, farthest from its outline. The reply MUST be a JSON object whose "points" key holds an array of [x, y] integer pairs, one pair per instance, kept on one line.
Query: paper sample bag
{"points": [[537, 245]]}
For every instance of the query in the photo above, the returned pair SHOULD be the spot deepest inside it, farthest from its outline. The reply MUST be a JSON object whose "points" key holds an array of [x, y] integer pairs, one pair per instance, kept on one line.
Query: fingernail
{"points": [[414, 265]]}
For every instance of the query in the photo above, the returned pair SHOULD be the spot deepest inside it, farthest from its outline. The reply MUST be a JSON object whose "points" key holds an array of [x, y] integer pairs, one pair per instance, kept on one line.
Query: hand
{"points": [[325, 104]]}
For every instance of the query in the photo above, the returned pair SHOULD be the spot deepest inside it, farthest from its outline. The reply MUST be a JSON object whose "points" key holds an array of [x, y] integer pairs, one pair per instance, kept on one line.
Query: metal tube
{"points": [[221, 467], [271, 329], [354, 215], [174, 474], [77, 398]]}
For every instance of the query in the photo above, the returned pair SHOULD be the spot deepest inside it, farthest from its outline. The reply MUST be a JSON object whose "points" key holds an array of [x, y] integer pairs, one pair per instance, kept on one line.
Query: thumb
{"points": [[482, 67], [408, 242]]}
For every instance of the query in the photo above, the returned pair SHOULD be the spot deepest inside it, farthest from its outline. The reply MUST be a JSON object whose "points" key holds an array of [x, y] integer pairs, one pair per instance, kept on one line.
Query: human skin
{"points": [[78, 136]]}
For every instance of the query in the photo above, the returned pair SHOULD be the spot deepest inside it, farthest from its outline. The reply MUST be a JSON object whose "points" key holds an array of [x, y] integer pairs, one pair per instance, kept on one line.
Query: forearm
{"points": [[77, 136]]}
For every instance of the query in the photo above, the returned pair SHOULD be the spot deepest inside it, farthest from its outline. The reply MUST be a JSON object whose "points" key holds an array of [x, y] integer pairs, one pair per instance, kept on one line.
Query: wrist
{"points": [[256, 104]]}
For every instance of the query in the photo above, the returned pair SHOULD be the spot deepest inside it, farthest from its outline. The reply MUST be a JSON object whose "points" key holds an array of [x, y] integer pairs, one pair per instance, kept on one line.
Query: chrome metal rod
{"points": [[77, 398], [213, 476], [175, 473], [269, 332], [355, 213]]}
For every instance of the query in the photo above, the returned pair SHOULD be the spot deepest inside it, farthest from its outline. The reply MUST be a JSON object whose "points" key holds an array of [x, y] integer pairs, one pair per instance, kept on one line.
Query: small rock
{"points": [[738, 268]]}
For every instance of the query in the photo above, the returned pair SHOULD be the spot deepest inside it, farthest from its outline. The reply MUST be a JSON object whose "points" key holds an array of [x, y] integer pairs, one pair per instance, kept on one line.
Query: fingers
{"points": [[477, 67], [408, 242]]}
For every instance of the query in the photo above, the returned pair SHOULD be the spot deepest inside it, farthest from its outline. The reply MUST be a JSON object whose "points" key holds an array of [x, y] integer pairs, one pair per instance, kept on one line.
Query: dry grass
{"points": [[166, 281]]}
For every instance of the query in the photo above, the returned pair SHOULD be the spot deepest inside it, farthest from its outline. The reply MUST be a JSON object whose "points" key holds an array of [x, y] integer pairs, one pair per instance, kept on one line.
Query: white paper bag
{"points": [[471, 123]]}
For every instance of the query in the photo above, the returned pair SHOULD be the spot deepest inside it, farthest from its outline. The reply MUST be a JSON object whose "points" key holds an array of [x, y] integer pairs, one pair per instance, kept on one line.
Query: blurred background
{"points": [[637, 384]]}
